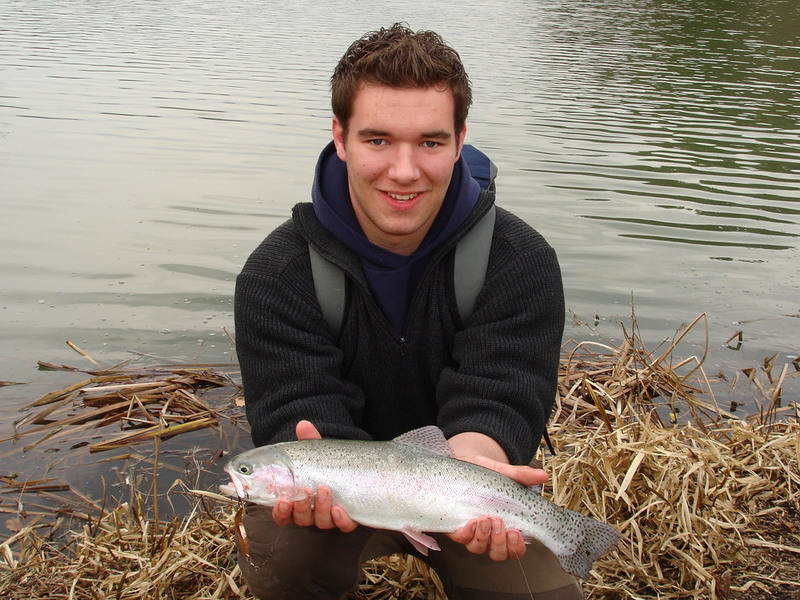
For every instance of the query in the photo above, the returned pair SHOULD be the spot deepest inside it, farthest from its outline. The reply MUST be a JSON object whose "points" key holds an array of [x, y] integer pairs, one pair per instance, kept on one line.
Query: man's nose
{"points": [[404, 168]]}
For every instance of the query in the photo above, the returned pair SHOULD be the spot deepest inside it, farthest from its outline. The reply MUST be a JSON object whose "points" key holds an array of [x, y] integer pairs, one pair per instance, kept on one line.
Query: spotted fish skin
{"points": [[413, 484]]}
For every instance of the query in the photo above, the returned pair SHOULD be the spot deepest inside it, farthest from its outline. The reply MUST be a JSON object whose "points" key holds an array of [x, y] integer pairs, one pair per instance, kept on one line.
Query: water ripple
{"points": [[165, 139]]}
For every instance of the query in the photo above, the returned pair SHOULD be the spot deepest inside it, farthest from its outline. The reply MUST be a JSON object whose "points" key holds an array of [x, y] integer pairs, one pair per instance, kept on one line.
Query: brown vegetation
{"points": [[708, 504]]}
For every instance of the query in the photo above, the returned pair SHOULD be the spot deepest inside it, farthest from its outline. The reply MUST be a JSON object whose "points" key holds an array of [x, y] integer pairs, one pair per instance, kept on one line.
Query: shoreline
{"points": [[708, 502]]}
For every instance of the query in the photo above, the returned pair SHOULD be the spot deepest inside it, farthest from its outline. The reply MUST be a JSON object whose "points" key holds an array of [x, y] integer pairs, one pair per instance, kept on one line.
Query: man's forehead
{"points": [[380, 89], [380, 109]]}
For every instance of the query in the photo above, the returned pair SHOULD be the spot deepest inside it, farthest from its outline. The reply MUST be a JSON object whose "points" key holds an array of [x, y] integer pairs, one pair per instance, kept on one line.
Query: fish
{"points": [[415, 485]]}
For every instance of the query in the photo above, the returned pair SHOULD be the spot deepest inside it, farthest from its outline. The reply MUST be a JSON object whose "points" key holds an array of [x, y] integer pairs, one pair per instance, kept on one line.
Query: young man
{"points": [[393, 195]]}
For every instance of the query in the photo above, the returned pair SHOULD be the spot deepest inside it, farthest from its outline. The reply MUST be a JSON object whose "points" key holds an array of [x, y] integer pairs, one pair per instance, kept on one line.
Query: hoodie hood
{"points": [[392, 277]]}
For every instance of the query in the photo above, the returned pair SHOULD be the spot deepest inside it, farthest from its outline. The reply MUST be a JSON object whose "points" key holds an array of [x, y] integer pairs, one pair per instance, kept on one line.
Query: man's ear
{"points": [[461, 137], [338, 139]]}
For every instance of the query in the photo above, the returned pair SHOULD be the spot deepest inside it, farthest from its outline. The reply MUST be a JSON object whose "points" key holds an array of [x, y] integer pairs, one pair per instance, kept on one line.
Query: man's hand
{"points": [[301, 512], [488, 535]]}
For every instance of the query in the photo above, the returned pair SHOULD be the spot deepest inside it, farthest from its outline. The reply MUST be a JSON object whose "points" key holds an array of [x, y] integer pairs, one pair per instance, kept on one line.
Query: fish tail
{"points": [[596, 540]]}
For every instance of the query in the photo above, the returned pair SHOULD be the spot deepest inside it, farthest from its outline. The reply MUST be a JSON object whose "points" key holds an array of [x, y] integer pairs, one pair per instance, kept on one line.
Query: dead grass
{"points": [[708, 504], [141, 403]]}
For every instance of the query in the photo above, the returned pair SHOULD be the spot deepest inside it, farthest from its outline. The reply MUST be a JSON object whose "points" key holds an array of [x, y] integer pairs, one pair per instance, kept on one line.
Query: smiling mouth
{"points": [[403, 197]]}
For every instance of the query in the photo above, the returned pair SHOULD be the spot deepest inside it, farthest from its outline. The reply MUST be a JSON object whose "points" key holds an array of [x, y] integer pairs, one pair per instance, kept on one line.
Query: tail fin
{"points": [[597, 539]]}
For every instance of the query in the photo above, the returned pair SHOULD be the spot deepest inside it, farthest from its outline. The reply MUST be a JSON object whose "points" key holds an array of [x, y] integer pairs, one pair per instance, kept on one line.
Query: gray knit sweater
{"points": [[495, 374]]}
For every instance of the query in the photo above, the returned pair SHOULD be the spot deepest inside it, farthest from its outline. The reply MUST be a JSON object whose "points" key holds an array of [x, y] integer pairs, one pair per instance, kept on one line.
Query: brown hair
{"points": [[400, 58]]}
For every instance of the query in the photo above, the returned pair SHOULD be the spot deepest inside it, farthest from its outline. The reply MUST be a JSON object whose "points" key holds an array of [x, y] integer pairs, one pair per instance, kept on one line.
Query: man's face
{"points": [[400, 148]]}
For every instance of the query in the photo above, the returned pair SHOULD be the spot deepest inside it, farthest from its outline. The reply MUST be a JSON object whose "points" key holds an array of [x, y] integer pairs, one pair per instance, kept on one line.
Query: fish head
{"points": [[262, 476]]}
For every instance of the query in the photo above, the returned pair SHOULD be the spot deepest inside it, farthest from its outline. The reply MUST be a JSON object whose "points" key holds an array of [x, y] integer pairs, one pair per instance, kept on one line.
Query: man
{"points": [[393, 195]]}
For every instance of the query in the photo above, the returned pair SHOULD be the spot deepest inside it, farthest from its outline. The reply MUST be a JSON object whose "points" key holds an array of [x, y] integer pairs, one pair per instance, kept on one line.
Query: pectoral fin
{"points": [[421, 541]]}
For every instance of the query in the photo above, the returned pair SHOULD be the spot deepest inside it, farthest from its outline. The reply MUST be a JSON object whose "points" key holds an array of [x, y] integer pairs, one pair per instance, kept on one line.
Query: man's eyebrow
{"points": [[439, 134], [372, 133]]}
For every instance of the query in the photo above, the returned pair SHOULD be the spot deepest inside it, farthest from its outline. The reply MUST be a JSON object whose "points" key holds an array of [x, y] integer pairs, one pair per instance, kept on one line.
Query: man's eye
{"points": [[377, 142], [431, 144]]}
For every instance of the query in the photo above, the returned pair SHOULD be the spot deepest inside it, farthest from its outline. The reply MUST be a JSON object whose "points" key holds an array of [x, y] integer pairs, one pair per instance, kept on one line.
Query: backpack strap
{"points": [[470, 262], [329, 286], [469, 273], [549, 443]]}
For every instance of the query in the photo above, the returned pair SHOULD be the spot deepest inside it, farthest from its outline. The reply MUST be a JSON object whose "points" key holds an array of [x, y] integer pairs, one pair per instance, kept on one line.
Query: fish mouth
{"points": [[227, 489], [235, 487], [265, 485]]}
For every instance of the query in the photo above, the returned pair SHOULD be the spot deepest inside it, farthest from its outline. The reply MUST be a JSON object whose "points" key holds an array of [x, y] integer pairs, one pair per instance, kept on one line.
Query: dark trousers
{"points": [[299, 563]]}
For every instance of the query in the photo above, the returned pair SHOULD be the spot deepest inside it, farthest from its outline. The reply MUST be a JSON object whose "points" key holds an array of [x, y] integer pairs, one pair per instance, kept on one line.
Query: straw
{"points": [[707, 503]]}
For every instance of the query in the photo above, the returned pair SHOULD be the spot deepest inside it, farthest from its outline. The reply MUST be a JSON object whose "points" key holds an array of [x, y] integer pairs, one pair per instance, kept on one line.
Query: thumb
{"points": [[520, 473], [528, 475], [305, 430]]}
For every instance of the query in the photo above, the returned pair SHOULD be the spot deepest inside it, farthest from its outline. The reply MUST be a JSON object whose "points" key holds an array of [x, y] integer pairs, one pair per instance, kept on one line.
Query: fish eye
{"points": [[244, 469]]}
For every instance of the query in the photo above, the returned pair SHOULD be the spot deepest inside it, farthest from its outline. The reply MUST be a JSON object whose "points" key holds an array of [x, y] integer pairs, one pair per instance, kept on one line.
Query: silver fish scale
{"points": [[392, 485]]}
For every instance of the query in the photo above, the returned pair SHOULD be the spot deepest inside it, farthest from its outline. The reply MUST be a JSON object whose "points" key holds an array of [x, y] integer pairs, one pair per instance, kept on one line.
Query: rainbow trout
{"points": [[413, 484]]}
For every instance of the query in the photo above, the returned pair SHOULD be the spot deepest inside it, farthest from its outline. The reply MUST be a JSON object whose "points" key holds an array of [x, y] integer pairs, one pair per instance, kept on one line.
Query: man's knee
{"points": [[270, 580], [298, 562], [537, 575]]}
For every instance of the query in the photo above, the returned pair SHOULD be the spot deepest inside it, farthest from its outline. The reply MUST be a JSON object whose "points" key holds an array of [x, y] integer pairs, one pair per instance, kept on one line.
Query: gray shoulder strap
{"points": [[329, 288], [469, 273], [471, 260]]}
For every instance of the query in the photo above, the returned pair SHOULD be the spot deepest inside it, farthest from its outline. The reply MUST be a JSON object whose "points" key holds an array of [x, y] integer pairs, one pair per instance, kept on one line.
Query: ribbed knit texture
{"points": [[495, 374]]}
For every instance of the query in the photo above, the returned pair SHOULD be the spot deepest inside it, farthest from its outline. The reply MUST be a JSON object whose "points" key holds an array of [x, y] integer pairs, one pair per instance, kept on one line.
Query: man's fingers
{"points": [[488, 535], [498, 546], [282, 513], [528, 475], [318, 511], [465, 534], [480, 541], [342, 520], [516, 545], [521, 473], [322, 508], [328, 516], [302, 513]]}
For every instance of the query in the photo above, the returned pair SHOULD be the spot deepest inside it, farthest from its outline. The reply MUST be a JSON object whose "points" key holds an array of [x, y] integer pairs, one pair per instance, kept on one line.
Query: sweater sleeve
{"points": [[505, 360], [290, 365]]}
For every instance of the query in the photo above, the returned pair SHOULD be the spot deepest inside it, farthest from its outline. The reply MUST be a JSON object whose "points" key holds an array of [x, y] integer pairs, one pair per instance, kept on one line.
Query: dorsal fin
{"points": [[428, 438]]}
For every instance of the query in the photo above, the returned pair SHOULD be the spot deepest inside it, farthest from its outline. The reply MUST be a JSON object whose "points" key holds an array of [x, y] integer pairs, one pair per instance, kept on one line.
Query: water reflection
{"points": [[156, 143]]}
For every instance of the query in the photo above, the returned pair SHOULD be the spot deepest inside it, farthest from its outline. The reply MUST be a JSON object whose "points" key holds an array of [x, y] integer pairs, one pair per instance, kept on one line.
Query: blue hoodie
{"points": [[393, 277]]}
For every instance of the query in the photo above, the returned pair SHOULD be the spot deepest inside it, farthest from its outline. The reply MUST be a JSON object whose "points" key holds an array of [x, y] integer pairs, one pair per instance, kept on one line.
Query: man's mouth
{"points": [[403, 201], [403, 197]]}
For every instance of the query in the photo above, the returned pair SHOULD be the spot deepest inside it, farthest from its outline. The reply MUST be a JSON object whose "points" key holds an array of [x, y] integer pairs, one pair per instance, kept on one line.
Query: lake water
{"points": [[147, 147]]}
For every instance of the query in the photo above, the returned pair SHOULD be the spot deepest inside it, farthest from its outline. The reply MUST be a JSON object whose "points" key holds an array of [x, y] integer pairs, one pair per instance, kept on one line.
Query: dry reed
{"points": [[152, 402], [708, 504]]}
